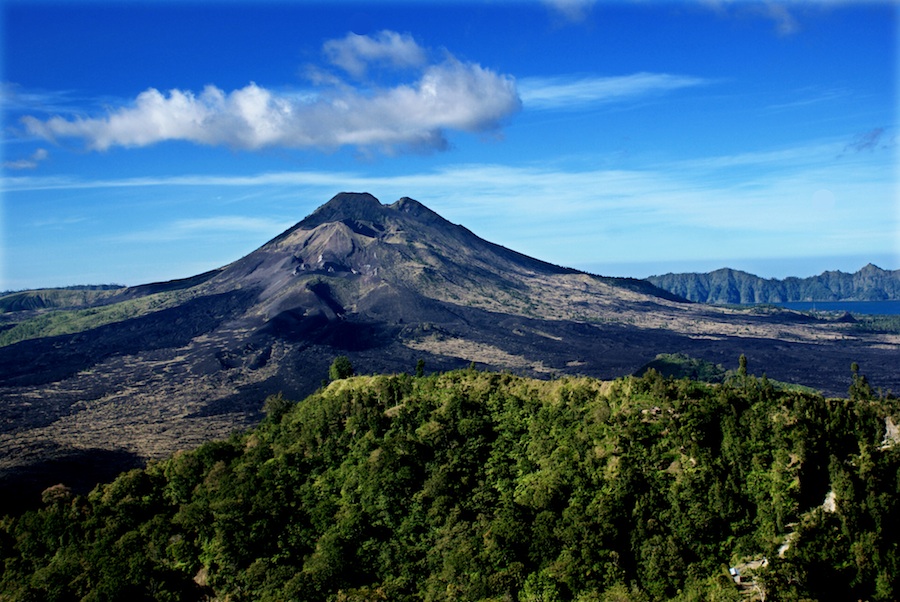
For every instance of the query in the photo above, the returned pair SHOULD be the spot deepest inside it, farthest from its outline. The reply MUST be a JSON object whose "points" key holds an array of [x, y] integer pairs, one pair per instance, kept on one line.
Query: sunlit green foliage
{"points": [[679, 365], [482, 486], [887, 324], [76, 296], [340, 368], [60, 322]]}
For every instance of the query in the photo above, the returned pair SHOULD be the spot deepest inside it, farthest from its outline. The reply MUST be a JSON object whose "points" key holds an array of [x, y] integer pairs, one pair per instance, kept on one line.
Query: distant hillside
{"points": [[871, 283], [68, 297]]}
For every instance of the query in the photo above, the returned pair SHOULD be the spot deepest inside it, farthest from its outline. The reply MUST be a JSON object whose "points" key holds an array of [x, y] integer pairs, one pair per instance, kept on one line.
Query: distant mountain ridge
{"points": [[726, 285]]}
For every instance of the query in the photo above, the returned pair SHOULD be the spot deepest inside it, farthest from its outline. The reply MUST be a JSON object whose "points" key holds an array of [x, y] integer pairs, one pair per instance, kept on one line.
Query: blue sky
{"points": [[156, 140]]}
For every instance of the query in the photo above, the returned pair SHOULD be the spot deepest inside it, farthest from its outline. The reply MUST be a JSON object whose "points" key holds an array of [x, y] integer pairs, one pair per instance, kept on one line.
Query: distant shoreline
{"points": [[872, 308]]}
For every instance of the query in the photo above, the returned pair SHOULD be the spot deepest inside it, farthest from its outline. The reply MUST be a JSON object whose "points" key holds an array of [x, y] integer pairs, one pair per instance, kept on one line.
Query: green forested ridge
{"points": [[484, 486], [71, 296], [70, 321], [680, 365]]}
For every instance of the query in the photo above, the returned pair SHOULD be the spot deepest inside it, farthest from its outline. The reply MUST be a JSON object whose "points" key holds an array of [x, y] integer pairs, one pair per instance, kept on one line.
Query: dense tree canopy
{"points": [[340, 368], [482, 486]]}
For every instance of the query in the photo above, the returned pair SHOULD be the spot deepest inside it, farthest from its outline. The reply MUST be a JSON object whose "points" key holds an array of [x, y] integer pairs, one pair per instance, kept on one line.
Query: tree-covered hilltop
{"points": [[870, 283], [485, 486]]}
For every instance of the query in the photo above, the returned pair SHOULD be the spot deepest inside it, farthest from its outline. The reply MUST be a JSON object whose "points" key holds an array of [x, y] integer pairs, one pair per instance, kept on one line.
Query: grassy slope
{"points": [[55, 322], [41, 313], [679, 365], [55, 298], [480, 486]]}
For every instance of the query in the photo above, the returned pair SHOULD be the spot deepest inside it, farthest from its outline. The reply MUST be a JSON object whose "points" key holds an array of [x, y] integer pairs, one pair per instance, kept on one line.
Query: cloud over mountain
{"points": [[447, 95]]}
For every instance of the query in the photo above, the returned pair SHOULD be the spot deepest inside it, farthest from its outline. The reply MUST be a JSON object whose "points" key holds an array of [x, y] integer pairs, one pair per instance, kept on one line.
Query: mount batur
{"points": [[117, 377]]}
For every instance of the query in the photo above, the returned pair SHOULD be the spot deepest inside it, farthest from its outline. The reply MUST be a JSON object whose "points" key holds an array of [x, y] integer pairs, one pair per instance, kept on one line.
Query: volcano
{"points": [[161, 367]]}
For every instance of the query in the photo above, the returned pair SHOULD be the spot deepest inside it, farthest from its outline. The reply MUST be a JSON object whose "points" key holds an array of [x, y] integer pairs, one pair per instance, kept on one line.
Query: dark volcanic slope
{"points": [[171, 365]]}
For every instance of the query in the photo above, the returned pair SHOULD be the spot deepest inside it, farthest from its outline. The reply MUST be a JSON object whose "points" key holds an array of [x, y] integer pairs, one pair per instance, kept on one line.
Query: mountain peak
{"points": [[353, 200], [347, 205], [870, 268], [417, 210], [408, 205], [362, 207], [354, 237]]}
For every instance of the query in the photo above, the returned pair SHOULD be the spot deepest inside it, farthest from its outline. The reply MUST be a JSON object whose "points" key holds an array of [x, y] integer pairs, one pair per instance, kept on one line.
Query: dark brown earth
{"points": [[385, 285]]}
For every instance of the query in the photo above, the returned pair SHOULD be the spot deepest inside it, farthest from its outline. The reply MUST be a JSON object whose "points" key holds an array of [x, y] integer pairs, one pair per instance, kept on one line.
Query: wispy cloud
{"points": [[58, 221], [787, 202], [811, 97], [761, 195], [779, 12], [448, 95], [575, 92], [31, 162], [14, 98], [184, 229], [307, 178], [356, 53], [785, 23], [789, 158], [574, 11]]}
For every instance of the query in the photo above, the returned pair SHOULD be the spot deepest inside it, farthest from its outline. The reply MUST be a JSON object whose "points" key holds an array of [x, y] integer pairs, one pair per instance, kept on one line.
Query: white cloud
{"points": [[29, 163], [449, 95], [20, 164], [569, 92], [354, 52], [785, 23], [780, 12], [572, 10]]}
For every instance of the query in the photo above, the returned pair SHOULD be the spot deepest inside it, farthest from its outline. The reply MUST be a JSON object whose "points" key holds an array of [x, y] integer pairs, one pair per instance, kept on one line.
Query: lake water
{"points": [[854, 307]]}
